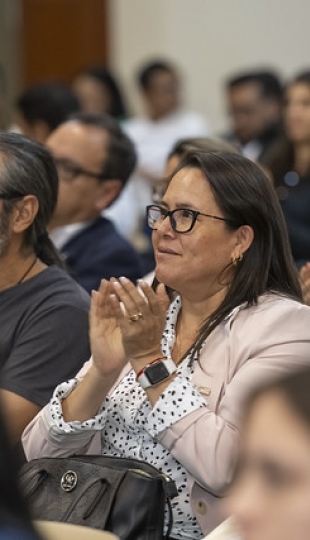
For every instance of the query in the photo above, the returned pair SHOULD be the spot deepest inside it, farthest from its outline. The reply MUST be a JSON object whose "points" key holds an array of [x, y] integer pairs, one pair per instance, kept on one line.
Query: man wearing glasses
{"points": [[94, 160]]}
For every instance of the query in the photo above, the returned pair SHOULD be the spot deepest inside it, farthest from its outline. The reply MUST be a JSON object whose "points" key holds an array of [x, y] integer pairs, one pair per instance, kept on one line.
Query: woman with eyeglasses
{"points": [[171, 365]]}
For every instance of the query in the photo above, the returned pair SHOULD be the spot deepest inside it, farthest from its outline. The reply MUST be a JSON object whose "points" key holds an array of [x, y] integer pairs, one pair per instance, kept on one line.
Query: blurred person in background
{"points": [[98, 92], [94, 158], [288, 163], [42, 107], [43, 312], [198, 144], [254, 101], [164, 122]]}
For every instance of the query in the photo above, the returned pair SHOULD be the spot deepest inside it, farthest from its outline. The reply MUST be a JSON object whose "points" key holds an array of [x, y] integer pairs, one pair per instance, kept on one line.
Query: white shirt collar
{"points": [[61, 235]]}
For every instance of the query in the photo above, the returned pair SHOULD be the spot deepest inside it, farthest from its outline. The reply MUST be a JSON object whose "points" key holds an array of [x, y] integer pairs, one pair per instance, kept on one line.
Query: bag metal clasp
{"points": [[68, 481]]}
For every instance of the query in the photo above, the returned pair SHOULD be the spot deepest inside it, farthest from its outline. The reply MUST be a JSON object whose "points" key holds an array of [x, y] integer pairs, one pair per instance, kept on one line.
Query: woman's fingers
{"points": [[101, 307], [93, 314], [116, 308], [136, 303], [159, 301], [133, 302]]}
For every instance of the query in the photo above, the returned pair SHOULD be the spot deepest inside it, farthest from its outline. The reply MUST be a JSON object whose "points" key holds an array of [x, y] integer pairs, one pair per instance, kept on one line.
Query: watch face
{"points": [[157, 372]]}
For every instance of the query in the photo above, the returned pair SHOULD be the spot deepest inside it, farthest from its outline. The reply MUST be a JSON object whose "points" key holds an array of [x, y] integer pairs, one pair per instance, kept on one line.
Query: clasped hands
{"points": [[126, 324]]}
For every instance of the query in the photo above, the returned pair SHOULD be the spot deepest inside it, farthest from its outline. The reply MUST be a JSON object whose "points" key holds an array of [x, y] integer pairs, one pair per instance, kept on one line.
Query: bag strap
{"points": [[169, 486], [31, 481], [93, 503], [170, 519]]}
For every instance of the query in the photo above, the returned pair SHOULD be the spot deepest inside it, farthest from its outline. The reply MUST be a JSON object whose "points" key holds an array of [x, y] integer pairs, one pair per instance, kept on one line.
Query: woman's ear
{"points": [[244, 238], [24, 213]]}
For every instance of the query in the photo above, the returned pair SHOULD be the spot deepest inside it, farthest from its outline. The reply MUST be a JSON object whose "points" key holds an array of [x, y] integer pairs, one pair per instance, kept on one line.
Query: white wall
{"points": [[209, 40]]}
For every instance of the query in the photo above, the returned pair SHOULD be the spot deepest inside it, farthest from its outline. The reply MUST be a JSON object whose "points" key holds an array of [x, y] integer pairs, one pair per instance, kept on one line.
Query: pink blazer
{"points": [[251, 345]]}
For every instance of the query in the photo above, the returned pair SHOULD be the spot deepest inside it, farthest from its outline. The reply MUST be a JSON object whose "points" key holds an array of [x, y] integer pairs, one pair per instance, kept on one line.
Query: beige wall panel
{"points": [[209, 39]]}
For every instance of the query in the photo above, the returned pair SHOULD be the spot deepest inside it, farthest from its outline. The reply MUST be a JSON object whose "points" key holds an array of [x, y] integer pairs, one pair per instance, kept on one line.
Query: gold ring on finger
{"points": [[136, 316]]}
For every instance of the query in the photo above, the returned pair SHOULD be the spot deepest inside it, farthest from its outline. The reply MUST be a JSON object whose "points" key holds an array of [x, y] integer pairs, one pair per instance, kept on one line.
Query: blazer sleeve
{"points": [[41, 438]]}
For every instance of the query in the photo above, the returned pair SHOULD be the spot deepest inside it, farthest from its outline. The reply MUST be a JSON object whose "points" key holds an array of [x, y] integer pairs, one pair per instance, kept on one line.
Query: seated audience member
{"points": [[94, 158], [42, 107], [164, 122], [289, 166], [15, 523], [254, 102], [270, 499], [235, 318], [98, 92], [43, 312]]}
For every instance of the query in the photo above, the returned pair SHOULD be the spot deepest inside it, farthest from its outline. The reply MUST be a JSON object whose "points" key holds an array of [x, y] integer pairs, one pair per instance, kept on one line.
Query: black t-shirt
{"points": [[43, 334]]}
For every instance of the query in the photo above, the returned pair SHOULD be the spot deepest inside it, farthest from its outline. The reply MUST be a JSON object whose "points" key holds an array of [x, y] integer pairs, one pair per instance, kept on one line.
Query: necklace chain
{"points": [[27, 271]]}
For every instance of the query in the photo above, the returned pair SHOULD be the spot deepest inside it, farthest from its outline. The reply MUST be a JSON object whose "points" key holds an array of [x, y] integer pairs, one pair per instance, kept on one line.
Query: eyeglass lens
{"points": [[180, 220], [66, 170]]}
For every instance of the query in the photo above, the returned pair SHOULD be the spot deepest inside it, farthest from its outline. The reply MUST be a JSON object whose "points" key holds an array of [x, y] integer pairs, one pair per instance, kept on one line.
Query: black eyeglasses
{"points": [[182, 220], [68, 170]]}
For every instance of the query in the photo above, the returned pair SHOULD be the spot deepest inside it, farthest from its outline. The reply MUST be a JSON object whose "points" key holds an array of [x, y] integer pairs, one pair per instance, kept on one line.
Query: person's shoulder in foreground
{"points": [[15, 521], [45, 334], [15, 533]]}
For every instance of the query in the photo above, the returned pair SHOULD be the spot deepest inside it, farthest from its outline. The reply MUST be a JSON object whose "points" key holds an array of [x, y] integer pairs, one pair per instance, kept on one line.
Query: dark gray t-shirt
{"points": [[43, 334]]}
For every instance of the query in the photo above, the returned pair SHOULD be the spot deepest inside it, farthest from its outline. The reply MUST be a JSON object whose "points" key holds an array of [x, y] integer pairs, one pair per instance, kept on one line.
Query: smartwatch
{"points": [[156, 372]]}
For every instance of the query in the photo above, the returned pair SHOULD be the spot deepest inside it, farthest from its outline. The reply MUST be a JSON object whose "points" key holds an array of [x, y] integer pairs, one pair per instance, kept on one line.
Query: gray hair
{"points": [[28, 169]]}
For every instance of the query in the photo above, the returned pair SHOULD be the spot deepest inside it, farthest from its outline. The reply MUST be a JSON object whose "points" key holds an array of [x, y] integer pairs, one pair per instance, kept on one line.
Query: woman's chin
{"points": [[165, 277]]}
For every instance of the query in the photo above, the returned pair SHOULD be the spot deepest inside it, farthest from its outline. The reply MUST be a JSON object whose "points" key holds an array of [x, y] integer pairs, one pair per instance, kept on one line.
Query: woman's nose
{"points": [[165, 227]]}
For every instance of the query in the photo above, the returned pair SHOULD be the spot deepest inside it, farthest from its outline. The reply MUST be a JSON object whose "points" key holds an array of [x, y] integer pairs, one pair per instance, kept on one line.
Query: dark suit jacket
{"points": [[99, 251]]}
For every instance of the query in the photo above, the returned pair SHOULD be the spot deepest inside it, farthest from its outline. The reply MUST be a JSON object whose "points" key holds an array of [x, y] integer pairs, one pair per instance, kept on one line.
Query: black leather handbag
{"points": [[125, 496]]}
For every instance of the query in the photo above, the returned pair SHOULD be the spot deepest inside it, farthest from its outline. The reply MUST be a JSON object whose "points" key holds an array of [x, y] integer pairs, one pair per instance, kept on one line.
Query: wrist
{"points": [[160, 358], [103, 379], [156, 372], [140, 361]]}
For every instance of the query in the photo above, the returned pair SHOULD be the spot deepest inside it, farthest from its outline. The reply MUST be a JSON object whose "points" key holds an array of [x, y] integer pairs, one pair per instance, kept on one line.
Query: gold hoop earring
{"points": [[235, 260]]}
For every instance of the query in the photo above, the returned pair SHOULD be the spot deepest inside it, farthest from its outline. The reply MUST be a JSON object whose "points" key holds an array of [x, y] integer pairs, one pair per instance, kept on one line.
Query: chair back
{"points": [[53, 530]]}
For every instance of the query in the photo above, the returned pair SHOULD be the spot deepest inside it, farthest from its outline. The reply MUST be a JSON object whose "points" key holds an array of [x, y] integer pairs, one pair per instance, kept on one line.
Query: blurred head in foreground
{"points": [[271, 494]]}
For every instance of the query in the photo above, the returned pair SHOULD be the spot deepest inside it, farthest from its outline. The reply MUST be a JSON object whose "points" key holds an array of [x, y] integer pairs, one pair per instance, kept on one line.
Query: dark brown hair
{"points": [[245, 197], [280, 159]]}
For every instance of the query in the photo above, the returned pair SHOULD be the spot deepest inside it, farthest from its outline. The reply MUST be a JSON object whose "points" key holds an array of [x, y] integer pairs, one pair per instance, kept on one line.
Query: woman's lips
{"points": [[165, 251]]}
